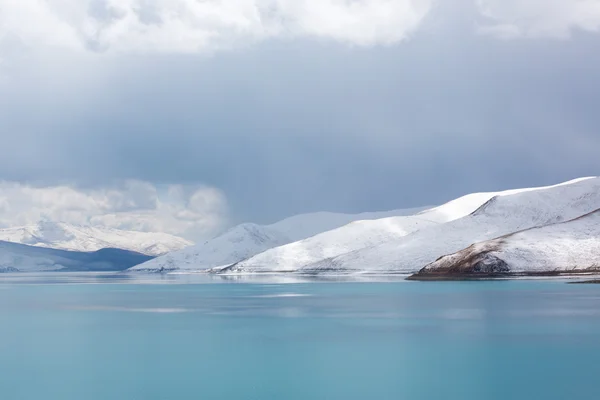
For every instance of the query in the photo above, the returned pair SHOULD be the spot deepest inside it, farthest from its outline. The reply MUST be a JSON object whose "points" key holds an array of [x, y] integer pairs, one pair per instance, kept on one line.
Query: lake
{"points": [[98, 337]]}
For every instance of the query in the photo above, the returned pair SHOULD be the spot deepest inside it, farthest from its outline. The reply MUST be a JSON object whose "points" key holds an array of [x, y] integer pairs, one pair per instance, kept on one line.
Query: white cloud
{"points": [[510, 19], [195, 213], [192, 25]]}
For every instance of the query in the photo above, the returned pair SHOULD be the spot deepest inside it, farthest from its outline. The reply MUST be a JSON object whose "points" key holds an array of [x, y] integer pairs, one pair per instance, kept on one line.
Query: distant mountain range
{"points": [[63, 236], [57, 246], [16, 257], [533, 231]]}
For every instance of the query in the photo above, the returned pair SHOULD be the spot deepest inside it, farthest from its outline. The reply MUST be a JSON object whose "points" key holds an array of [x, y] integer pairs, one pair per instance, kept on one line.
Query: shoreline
{"points": [[592, 276], [503, 276]]}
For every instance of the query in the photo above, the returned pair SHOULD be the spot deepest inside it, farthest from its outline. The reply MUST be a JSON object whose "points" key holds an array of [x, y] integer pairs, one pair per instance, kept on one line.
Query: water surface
{"points": [[85, 336]]}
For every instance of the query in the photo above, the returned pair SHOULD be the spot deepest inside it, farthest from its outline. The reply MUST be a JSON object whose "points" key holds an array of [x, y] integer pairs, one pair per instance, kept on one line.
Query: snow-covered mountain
{"points": [[236, 244], [319, 252], [246, 240], [356, 235], [16, 257], [502, 214], [399, 245], [63, 236], [403, 243], [568, 247]]}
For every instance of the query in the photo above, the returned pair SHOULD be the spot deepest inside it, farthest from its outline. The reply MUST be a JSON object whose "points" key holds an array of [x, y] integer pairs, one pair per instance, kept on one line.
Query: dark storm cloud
{"points": [[289, 127]]}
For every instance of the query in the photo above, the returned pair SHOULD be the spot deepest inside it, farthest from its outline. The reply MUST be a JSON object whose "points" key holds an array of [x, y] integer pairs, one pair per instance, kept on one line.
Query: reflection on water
{"points": [[179, 278]]}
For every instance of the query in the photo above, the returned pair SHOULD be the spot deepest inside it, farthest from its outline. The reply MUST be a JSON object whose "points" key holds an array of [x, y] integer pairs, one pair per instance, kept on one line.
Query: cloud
{"points": [[290, 126], [193, 212], [190, 26], [509, 19]]}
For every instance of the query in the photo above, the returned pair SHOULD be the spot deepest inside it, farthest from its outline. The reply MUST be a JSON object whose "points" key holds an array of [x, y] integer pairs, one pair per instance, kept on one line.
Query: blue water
{"points": [[85, 337]]}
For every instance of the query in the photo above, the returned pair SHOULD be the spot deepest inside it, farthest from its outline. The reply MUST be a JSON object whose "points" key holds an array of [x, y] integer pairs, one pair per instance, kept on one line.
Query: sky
{"points": [[188, 116]]}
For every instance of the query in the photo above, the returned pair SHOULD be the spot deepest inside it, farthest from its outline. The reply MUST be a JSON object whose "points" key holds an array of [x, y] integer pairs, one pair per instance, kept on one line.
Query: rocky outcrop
{"points": [[473, 262]]}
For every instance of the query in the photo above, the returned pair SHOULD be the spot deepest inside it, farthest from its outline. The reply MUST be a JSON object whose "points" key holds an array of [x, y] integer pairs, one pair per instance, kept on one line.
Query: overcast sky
{"points": [[186, 116]]}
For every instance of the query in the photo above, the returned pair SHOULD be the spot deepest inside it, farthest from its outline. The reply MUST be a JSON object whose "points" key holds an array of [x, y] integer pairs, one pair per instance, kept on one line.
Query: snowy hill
{"points": [[86, 238], [236, 244], [361, 235], [502, 214], [568, 247], [246, 240], [16, 257], [356, 235]]}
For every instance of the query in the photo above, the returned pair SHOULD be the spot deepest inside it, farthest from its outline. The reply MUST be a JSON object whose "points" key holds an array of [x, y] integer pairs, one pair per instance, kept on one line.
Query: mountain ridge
{"points": [[64, 236], [506, 214], [460, 222], [225, 249], [400, 244], [320, 252]]}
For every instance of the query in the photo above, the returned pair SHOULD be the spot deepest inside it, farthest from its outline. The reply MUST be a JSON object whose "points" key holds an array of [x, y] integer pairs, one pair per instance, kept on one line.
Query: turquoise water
{"points": [[78, 337]]}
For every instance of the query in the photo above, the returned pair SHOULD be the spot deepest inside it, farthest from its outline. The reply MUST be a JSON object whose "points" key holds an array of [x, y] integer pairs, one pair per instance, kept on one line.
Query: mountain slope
{"points": [[502, 214], [568, 247], [81, 238], [246, 240], [16, 257], [303, 226], [361, 235], [356, 235], [236, 244]]}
